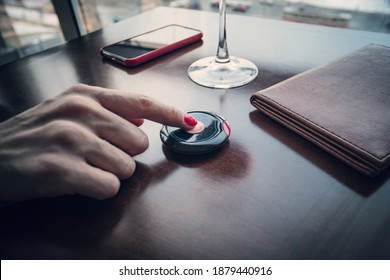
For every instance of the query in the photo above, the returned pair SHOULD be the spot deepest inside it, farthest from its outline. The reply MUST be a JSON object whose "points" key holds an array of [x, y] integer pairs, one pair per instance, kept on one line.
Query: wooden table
{"points": [[267, 194]]}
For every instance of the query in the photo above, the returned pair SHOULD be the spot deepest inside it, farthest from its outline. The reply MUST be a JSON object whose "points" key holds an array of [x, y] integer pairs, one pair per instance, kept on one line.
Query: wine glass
{"points": [[222, 71]]}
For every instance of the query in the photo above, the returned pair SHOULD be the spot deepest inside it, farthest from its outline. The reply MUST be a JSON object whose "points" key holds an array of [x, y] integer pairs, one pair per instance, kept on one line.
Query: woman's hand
{"points": [[81, 142]]}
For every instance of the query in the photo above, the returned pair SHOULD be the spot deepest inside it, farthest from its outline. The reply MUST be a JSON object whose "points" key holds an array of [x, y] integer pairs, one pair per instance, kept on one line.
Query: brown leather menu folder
{"points": [[343, 107]]}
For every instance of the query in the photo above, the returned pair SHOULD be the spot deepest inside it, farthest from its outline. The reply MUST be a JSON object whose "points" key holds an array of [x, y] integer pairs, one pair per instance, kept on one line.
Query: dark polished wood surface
{"points": [[267, 194]]}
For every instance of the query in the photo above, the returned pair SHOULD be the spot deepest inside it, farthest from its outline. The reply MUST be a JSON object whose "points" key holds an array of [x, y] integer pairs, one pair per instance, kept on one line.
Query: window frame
{"points": [[69, 16]]}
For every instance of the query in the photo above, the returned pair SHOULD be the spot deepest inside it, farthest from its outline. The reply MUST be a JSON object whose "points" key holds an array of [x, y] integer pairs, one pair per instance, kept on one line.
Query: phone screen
{"points": [[144, 43]]}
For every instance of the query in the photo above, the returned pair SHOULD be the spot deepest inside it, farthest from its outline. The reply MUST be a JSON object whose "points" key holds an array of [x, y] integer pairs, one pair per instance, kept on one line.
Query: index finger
{"points": [[136, 106]]}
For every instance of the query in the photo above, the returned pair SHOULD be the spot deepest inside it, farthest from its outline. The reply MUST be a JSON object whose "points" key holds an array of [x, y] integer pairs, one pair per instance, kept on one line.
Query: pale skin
{"points": [[81, 142]]}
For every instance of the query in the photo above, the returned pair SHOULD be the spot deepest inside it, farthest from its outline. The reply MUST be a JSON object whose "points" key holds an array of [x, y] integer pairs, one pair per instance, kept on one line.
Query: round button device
{"points": [[209, 134]]}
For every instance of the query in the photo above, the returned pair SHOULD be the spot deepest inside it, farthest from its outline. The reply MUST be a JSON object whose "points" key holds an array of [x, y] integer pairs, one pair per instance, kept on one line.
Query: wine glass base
{"points": [[209, 73]]}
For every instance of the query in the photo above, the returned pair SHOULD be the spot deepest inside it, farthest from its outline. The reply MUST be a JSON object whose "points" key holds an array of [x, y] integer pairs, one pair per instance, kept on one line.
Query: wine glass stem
{"points": [[222, 52]]}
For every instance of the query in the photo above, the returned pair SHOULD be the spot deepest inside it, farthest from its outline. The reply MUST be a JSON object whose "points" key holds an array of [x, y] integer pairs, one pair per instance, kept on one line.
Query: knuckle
{"points": [[128, 169], [49, 166], [65, 133], [172, 113], [77, 105], [144, 101], [123, 165], [78, 89], [141, 144]]}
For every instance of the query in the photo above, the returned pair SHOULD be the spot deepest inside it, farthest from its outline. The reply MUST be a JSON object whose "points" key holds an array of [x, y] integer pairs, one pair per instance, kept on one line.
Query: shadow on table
{"points": [[229, 162], [342, 172]]}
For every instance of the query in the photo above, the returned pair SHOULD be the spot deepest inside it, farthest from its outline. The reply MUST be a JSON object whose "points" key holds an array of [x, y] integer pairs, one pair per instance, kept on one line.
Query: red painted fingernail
{"points": [[190, 120]]}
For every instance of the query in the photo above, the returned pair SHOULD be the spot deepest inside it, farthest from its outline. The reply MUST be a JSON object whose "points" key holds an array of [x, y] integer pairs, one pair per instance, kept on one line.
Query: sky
{"points": [[382, 6]]}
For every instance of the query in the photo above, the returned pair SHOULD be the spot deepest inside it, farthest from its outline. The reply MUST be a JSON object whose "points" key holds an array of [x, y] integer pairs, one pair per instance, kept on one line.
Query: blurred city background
{"points": [[30, 26]]}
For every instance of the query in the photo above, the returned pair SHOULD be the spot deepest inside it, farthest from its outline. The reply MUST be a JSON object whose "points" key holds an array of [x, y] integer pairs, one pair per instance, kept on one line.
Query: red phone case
{"points": [[131, 62]]}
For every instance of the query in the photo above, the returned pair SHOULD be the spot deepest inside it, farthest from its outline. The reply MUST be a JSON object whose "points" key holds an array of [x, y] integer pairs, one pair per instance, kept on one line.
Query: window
{"points": [[369, 15], [98, 13], [27, 27]]}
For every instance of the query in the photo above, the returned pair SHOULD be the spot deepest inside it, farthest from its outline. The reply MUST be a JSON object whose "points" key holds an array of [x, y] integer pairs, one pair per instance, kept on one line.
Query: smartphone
{"points": [[144, 47]]}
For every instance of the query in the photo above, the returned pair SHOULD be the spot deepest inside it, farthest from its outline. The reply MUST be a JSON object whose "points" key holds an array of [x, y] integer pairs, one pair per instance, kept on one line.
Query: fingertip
{"points": [[136, 122], [190, 120]]}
